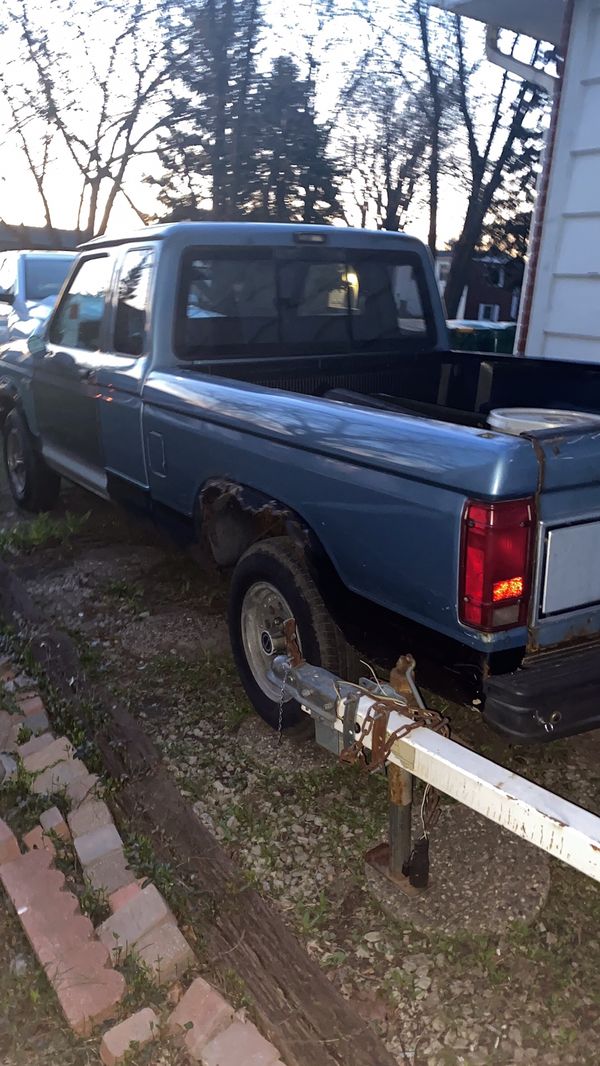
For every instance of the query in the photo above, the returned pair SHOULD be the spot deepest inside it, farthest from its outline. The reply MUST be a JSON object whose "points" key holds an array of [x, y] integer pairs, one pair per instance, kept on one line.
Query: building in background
{"points": [[560, 315], [493, 289], [19, 237]]}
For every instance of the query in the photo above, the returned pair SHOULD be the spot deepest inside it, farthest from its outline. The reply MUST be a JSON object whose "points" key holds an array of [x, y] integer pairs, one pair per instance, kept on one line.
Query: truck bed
{"points": [[457, 387]]}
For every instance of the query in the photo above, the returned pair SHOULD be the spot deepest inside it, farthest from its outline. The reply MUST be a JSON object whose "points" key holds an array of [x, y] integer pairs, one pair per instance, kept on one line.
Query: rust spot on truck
{"points": [[233, 516]]}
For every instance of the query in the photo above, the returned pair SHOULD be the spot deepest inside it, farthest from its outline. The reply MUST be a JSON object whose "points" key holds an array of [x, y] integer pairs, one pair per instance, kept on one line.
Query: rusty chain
{"points": [[375, 725]]}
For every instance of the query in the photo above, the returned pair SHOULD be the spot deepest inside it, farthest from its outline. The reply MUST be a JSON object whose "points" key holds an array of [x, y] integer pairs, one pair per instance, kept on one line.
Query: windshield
{"points": [[44, 275], [275, 302]]}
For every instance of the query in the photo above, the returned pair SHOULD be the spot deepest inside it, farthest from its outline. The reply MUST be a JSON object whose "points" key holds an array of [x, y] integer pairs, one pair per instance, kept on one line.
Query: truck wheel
{"points": [[33, 485], [270, 584]]}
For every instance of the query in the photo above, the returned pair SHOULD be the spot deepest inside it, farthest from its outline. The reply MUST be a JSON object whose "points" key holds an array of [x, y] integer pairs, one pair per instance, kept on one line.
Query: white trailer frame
{"points": [[557, 826]]}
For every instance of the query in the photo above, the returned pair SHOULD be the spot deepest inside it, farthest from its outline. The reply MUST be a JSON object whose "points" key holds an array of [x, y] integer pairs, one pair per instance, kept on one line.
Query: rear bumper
{"points": [[552, 695]]}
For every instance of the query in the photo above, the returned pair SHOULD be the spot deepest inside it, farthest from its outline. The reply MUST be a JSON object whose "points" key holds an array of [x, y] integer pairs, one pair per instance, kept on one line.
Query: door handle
{"points": [[85, 373]]}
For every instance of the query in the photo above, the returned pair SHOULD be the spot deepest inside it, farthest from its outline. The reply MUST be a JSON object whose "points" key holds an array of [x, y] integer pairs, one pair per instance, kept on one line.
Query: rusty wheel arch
{"points": [[230, 517]]}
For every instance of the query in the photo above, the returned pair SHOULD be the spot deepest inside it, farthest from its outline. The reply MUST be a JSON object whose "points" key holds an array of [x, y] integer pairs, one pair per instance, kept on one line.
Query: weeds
{"points": [[140, 855], [234, 989], [131, 594], [94, 903], [41, 531], [24, 734], [19, 807], [142, 988], [312, 915], [18, 787]]}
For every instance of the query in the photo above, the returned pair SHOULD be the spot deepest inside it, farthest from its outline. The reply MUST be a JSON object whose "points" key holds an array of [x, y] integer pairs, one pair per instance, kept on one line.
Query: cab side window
{"points": [[78, 319], [132, 303]]}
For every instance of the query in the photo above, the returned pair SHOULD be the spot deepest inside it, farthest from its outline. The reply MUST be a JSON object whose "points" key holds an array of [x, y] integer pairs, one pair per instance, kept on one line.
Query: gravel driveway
{"points": [[150, 622]]}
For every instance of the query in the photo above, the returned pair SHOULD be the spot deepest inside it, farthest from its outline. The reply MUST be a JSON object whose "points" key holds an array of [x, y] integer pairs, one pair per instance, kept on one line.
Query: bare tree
{"points": [[434, 103], [494, 151], [85, 93], [385, 152]]}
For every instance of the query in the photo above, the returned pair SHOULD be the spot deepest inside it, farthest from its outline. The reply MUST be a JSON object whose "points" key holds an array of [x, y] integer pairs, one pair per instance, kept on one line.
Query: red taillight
{"points": [[496, 559]]}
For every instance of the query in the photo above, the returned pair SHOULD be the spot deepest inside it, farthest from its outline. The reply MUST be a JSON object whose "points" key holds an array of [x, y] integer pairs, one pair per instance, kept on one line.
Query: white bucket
{"points": [[527, 419]]}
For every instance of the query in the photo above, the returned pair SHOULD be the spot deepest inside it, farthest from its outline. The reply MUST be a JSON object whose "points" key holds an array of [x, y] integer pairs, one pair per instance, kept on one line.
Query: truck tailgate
{"points": [[566, 602], [571, 576]]}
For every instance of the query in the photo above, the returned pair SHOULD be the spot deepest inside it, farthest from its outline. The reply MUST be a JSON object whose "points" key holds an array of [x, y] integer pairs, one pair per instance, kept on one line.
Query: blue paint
{"points": [[384, 493]]}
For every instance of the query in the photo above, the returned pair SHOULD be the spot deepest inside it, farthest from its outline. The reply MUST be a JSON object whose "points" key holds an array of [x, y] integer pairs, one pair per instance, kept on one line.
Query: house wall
{"points": [[482, 293], [565, 312]]}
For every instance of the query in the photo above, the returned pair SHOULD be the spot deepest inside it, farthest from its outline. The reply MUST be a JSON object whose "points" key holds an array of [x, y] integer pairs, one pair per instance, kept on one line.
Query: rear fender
{"points": [[231, 517]]}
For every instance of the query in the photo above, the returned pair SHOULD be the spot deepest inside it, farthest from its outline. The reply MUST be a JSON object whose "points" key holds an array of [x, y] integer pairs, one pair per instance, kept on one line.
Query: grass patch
{"points": [[142, 858], [132, 594], [94, 903], [40, 532]]}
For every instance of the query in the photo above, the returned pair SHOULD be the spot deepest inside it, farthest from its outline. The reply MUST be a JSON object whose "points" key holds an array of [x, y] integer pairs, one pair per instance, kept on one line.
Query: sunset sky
{"points": [[19, 201]]}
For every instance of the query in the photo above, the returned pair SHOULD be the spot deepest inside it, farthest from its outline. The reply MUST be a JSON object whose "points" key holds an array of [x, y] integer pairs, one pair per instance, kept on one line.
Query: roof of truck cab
{"points": [[252, 233]]}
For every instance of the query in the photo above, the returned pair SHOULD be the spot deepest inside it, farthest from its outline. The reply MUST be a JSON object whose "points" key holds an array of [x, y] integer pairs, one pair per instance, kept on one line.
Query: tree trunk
{"points": [[436, 116], [434, 177], [221, 28], [462, 258], [241, 118]]}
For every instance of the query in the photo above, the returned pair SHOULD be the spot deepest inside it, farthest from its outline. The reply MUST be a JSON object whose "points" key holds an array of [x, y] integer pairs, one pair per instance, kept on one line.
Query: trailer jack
{"points": [[396, 860], [405, 865]]}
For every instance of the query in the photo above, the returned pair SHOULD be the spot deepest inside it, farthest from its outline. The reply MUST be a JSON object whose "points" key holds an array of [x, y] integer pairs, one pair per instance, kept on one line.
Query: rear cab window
{"points": [[261, 302]]}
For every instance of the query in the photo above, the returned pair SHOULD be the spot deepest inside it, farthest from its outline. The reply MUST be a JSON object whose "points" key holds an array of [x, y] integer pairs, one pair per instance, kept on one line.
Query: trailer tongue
{"points": [[390, 727]]}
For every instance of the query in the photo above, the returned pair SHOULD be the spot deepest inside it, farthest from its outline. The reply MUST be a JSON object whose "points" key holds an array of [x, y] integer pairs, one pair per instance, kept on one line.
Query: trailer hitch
{"points": [[407, 866], [338, 709]]}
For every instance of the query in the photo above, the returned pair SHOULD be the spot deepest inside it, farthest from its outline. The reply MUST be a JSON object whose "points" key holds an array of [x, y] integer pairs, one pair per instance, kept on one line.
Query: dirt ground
{"points": [[150, 622]]}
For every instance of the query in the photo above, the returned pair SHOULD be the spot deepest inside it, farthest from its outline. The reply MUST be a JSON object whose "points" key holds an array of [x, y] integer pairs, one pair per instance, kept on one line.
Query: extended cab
{"points": [[286, 395]]}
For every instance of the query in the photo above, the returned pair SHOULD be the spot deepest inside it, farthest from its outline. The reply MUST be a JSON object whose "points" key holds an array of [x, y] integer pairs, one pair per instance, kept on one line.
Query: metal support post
{"points": [[390, 860], [400, 784]]}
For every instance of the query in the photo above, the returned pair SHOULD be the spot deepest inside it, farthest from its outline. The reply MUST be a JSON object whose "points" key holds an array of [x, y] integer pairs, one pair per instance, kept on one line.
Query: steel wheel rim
{"points": [[15, 461], [264, 611]]}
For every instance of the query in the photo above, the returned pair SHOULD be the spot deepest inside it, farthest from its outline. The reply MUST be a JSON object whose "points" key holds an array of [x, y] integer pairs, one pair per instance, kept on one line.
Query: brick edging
{"points": [[78, 960]]}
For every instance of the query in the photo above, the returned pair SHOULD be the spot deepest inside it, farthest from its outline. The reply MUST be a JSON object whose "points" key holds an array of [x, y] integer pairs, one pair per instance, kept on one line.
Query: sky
{"points": [[339, 44]]}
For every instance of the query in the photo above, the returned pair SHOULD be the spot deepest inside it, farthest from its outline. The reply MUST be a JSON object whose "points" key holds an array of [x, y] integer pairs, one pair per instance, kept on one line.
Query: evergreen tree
{"points": [[293, 180], [240, 144], [207, 153]]}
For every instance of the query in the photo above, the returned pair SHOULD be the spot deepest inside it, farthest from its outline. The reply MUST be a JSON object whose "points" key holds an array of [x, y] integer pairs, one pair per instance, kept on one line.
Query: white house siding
{"points": [[565, 315]]}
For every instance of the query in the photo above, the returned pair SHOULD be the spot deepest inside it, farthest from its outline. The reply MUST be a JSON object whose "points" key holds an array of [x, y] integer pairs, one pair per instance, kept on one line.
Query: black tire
{"points": [[278, 563], [33, 485]]}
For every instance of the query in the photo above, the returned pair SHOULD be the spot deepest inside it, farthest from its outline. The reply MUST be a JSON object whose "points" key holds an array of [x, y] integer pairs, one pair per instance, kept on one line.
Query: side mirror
{"points": [[36, 342], [7, 297]]}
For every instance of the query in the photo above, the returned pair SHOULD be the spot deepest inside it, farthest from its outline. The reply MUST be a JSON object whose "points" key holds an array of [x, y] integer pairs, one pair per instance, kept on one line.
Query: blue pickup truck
{"points": [[286, 396]]}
